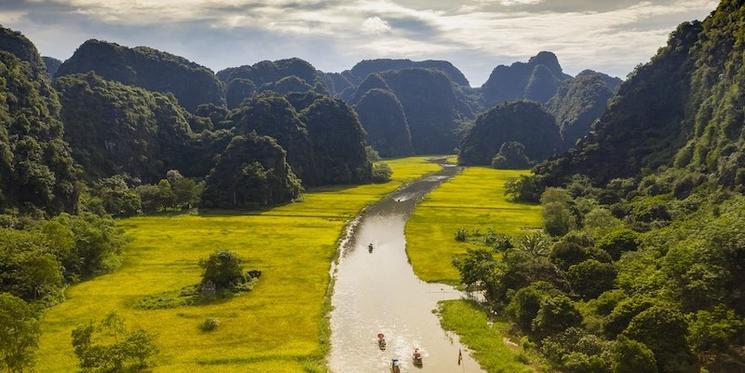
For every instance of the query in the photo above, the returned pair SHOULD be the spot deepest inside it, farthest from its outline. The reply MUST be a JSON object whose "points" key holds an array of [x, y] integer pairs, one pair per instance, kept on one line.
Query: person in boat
{"points": [[417, 357], [370, 247], [381, 341], [395, 366]]}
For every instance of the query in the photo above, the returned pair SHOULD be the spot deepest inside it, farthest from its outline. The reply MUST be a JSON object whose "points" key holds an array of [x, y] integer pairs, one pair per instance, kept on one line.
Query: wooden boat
{"points": [[395, 366], [417, 358]]}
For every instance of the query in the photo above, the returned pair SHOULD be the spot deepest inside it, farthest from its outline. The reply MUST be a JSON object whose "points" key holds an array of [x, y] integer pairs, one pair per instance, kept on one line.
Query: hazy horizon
{"points": [[607, 36]]}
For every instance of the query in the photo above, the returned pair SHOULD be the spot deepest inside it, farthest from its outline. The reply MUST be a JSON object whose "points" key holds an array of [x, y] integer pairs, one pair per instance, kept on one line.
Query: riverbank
{"points": [[473, 201], [277, 327], [486, 337]]}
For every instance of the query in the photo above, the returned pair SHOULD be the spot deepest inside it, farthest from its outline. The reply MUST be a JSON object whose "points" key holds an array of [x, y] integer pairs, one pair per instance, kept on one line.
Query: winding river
{"points": [[378, 292]]}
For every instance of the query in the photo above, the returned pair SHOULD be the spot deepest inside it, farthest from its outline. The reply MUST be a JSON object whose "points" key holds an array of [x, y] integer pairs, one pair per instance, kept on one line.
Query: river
{"points": [[378, 292]]}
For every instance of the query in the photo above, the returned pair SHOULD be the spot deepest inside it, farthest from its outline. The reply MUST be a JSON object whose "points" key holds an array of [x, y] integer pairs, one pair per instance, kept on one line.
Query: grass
{"points": [[485, 337], [473, 200], [280, 326]]}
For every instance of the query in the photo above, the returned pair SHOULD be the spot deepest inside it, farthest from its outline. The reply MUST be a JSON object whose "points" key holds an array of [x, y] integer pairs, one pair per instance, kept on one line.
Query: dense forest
{"points": [[639, 267]]}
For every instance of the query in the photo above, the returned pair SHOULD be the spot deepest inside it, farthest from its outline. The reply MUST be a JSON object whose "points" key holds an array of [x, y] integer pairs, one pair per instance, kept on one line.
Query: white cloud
{"points": [[612, 39], [375, 25]]}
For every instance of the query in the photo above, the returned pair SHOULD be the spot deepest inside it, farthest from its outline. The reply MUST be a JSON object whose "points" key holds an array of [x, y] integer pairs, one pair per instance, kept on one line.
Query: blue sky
{"points": [[476, 35]]}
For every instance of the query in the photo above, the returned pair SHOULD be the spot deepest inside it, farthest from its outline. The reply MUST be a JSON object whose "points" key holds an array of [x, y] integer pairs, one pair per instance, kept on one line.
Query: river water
{"points": [[378, 292]]}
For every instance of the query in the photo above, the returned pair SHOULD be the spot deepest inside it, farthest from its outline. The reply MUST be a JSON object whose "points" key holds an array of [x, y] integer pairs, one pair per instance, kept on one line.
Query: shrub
{"points": [[629, 356], [664, 331], [19, 333], [591, 278], [117, 198], [715, 330], [618, 242], [524, 306], [524, 189], [150, 197], [557, 313], [28, 267], [209, 324], [622, 314], [381, 172], [461, 235]]}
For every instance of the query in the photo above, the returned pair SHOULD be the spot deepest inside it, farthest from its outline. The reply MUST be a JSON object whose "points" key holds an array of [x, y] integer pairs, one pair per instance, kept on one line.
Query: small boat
{"points": [[417, 357], [381, 341], [395, 366]]}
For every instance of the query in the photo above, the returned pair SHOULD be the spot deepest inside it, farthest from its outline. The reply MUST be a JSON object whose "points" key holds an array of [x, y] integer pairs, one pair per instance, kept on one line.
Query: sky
{"points": [[611, 36]]}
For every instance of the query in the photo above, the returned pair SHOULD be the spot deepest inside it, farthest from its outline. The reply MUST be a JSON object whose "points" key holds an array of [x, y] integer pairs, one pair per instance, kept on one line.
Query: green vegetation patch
{"points": [[473, 201], [485, 337]]}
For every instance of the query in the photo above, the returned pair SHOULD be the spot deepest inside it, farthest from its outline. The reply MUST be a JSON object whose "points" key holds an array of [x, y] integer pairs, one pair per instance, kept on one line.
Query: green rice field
{"points": [[473, 200], [280, 326]]}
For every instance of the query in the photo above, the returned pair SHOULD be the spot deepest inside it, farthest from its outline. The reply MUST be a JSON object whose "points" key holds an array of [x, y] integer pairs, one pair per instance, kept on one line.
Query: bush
{"points": [[117, 198], [381, 172], [28, 267], [525, 304], [96, 245], [524, 189], [461, 235], [664, 331], [618, 242], [629, 356], [150, 197], [715, 330], [223, 269], [557, 313], [107, 346], [591, 278], [19, 333], [209, 324], [622, 314]]}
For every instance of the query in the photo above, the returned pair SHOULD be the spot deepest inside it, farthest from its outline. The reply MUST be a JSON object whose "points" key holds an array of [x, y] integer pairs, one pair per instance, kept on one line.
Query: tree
{"points": [[558, 219], [479, 270], [108, 346], [664, 331], [150, 197], [557, 313], [618, 242], [19, 333], [623, 313], [600, 220], [524, 189], [382, 172], [591, 278], [715, 330], [117, 197], [223, 269], [28, 267], [526, 303], [187, 192], [629, 356], [165, 194]]}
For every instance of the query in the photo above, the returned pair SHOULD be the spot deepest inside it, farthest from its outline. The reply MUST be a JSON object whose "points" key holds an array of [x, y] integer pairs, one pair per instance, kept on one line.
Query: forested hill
{"points": [[192, 84], [281, 76], [684, 109], [36, 170], [536, 80]]}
